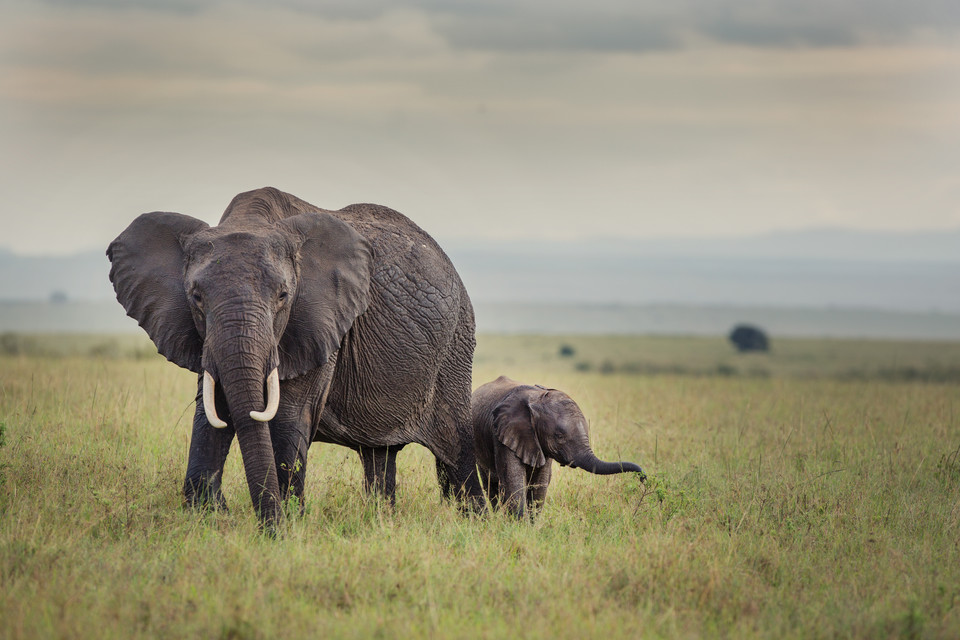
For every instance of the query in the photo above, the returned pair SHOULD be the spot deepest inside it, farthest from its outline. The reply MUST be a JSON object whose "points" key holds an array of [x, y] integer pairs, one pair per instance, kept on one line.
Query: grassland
{"points": [[811, 492]]}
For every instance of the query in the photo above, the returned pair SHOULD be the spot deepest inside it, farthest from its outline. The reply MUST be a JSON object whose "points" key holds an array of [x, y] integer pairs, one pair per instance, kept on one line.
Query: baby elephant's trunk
{"points": [[591, 463]]}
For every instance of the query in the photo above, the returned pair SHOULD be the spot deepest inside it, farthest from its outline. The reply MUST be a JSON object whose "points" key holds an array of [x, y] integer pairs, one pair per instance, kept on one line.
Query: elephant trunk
{"points": [[241, 363], [589, 462], [259, 464], [244, 393]]}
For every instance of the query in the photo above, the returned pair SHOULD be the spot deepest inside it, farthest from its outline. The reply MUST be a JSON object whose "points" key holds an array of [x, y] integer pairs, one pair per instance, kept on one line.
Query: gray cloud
{"points": [[643, 25], [184, 7], [483, 119], [620, 25], [519, 32], [652, 25]]}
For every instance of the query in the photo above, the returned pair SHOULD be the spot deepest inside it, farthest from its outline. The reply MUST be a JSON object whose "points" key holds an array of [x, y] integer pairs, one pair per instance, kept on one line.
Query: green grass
{"points": [[714, 356], [818, 499]]}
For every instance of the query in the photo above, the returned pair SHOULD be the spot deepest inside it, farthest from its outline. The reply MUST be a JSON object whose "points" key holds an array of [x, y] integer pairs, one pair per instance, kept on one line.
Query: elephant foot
{"points": [[380, 472], [203, 495], [472, 505]]}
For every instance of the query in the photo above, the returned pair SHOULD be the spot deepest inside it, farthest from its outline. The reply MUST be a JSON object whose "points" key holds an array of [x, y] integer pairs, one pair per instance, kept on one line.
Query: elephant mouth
{"points": [[269, 412]]}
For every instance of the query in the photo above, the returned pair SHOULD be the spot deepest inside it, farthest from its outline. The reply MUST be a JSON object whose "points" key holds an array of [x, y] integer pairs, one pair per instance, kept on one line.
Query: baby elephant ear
{"points": [[147, 262], [513, 426], [333, 290]]}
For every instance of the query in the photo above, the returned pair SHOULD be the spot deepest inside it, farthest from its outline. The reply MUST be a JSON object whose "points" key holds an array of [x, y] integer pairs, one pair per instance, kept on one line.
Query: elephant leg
{"points": [[491, 485], [380, 471], [293, 428], [290, 446], [451, 428], [443, 479], [513, 480], [537, 491], [208, 454]]}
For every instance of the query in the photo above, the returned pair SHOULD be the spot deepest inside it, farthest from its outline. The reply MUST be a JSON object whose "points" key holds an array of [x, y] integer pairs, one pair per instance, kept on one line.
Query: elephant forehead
{"points": [[238, 247], [245, 256], [564, 406], [561, 402]]}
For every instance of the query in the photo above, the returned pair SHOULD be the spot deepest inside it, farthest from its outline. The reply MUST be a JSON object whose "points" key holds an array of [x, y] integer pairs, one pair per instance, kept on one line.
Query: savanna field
{"points": [[810, 492]]}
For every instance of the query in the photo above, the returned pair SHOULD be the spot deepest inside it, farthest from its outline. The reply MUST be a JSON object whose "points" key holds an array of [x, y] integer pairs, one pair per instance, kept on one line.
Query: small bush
{"points": [[725, 370], [109, 350], [15, 344], [567, 351]]}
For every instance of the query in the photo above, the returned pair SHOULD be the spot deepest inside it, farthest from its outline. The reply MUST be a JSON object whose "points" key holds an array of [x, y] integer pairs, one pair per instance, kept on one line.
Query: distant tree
{"points": [[58, 297], [747, 337], [566, 351]]}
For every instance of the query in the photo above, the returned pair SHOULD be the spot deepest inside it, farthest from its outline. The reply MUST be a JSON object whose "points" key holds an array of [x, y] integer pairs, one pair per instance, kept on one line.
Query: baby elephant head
{"points": [[538, 423]]}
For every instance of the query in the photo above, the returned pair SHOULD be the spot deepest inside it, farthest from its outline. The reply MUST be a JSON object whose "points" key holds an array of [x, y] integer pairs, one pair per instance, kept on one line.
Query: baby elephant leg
{"points": [[537, 491], [513, 481], [491, 484]]}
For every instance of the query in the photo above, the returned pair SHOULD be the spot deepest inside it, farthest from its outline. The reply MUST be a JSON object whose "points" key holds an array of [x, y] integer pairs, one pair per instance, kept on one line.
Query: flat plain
{"points": [[813, 491]]}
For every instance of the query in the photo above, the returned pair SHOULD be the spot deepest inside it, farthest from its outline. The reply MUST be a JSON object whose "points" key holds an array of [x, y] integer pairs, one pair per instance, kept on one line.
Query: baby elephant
{"points": [[519, 430]]}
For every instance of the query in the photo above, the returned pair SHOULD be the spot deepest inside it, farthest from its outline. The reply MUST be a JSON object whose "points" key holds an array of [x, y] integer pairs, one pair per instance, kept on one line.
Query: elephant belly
{"points": [[375, 402], [356, 431], [393, 361]]}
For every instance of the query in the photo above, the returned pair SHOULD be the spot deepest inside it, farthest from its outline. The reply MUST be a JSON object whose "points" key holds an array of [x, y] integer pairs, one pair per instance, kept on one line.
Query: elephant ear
{"points": [[333, 290], [513, 426], [147, 263]]}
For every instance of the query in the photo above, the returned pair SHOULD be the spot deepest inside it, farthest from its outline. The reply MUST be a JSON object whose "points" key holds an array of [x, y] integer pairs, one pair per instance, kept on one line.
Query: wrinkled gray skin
{"points": [[519, 430], [359, 309]]}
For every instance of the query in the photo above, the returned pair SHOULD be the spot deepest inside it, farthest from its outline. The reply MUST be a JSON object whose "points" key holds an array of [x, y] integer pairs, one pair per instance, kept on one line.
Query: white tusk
{"points": [[273, 399], [209, 406]]}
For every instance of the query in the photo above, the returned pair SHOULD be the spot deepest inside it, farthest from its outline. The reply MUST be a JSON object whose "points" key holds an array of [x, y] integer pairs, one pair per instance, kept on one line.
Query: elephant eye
{"points": [[197, 298], [282, 296]]}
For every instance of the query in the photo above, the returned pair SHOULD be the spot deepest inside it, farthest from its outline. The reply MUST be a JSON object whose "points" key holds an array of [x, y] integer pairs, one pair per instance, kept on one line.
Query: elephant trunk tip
{"points": [[594, 465], [630, 467]]}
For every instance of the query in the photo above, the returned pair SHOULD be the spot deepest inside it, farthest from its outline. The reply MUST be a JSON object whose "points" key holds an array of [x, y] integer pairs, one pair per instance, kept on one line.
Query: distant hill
{"points": [[107, 317], [914, 272], [842, 245], [83, 276], [905, 272]]}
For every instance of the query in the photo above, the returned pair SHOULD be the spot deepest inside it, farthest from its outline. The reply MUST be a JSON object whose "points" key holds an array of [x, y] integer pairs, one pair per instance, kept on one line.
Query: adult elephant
{"points": [[350, 327]]}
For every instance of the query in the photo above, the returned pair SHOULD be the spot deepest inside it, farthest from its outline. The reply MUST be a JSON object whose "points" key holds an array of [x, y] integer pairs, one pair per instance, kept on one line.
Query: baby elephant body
{"points": [[519, 430]]}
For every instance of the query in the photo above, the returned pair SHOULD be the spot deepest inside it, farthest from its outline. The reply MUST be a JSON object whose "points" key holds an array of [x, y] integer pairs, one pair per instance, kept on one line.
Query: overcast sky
{"points": [[493, 119]]}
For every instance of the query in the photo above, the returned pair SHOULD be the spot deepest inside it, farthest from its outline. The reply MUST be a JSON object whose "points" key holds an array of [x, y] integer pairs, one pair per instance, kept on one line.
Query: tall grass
{"points": [[791, 505]]}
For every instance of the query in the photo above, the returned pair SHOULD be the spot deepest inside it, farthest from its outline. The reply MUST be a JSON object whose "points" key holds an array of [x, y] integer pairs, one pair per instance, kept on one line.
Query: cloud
{"points": [[483, 118], [654, 25], [612, 25]]}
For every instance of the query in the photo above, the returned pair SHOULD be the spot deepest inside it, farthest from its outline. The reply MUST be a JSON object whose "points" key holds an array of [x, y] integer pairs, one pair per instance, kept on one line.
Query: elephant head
{"points": [[266, 295], [538, 423]]}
